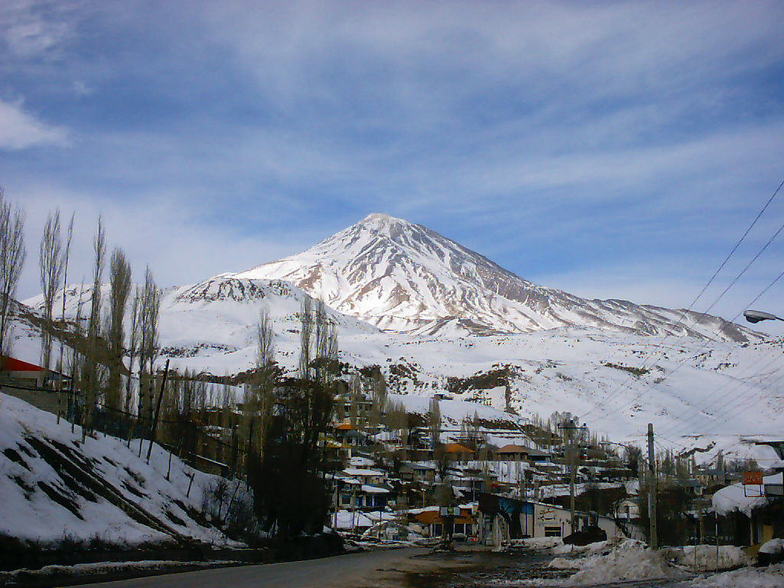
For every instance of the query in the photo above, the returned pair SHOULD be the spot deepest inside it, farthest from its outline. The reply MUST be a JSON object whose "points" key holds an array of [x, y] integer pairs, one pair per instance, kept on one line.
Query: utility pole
{"points": [[654, 538], [157, 412], [571, 456]]}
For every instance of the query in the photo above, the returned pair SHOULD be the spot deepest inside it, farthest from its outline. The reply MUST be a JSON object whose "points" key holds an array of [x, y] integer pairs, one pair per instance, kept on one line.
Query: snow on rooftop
{"points": [[734, 497]]}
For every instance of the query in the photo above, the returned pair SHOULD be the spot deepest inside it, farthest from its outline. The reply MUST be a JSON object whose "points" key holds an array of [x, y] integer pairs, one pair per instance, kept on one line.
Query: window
{"points": [[345, 499], [552, 531]]}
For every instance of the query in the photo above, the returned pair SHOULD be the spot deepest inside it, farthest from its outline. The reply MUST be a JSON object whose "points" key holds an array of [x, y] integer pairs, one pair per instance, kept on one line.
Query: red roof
{"points": [[513, 449], [11, 364], [457, 448]]}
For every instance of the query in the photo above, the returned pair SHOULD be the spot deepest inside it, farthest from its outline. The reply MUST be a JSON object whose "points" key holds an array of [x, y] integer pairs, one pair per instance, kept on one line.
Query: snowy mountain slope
{"points": [[561, 352], [211, 326], [402, 276], [53, 485]]}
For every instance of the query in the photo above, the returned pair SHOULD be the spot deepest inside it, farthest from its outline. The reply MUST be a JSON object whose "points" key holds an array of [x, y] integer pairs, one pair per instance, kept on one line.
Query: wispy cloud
{"points": [[21, 130], [37, 28], [556, 138]]}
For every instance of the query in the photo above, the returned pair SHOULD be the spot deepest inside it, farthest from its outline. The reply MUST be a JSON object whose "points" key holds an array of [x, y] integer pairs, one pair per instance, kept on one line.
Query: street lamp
{"points": [[755, 316]]}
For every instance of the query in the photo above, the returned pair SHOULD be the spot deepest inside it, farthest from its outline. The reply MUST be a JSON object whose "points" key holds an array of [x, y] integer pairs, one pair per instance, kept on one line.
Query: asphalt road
{"points": [[354, 570]]}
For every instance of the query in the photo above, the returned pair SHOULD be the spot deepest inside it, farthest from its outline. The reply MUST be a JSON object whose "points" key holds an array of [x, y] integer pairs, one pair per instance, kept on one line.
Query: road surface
{"points": [[371, 569]]}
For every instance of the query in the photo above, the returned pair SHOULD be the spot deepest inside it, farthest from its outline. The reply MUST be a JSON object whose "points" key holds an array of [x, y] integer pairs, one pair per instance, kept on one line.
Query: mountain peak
{"points": [[383, 223], [402, 276]]}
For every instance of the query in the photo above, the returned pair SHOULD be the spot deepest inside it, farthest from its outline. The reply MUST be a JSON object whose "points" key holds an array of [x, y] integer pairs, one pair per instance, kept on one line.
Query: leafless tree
{"points": [[51, 270], [133, 345], [120, 290], [148, 344], [265, 341], [435, 422], [355, 399], [306, 331], [76, 359], [92, 376], [258, 405], [380, 396], [326, 344], [60, 361], [12, 257]]}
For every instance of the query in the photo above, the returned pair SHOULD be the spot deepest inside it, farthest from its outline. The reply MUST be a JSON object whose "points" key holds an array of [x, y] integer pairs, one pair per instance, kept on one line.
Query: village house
{"points": [[457, 452], [413, 471], [503, 518], [429, 522]]}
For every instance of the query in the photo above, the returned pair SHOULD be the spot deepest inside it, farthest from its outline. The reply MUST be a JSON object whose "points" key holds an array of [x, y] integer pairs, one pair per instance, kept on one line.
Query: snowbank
{"points": [[769, 577], [91, 570], [628, 560], [772, 546], [705, 557]]}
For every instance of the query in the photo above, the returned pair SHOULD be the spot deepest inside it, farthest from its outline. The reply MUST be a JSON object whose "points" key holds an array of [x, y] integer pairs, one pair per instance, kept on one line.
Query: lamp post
{"points": [[755, 316]]}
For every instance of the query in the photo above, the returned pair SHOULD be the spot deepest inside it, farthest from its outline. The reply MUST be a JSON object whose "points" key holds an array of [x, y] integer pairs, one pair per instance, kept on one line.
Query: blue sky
{"points": [[609, 149]]}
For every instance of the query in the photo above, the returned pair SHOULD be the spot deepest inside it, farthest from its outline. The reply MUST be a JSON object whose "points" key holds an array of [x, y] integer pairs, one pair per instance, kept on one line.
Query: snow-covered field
{"points": [[698, 393], [54, 487]]}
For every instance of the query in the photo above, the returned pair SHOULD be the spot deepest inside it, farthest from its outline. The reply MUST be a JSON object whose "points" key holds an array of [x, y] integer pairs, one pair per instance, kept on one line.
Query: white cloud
{"points": [[169, 232], [32, 29], [21, 130]]}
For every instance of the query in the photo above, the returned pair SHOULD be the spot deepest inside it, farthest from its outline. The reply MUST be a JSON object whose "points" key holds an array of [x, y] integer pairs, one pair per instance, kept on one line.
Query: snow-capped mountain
{"points": [[405, 277], [210, 326], [455, 322]]}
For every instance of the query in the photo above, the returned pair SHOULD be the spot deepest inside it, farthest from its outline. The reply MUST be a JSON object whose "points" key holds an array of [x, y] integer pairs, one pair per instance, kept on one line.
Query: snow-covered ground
{"points": [[766, 577], [627, 560], [698, 393], [93, 571], [55, 487]]}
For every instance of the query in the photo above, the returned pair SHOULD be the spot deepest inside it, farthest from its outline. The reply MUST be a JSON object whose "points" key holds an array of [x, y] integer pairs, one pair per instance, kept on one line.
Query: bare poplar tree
{"points": [[257, 408], [133, 347], [265, 340], [120, 290], [51, 269], [306, 331], [60, 362], [148, 344], [75, 360], [12, 257], [379, 391], [355, 399], [330, 360], [435, 422], [92, 378]]}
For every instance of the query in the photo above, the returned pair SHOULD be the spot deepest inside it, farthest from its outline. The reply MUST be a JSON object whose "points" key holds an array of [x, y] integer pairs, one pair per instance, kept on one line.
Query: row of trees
{"points": [[125, 325]]}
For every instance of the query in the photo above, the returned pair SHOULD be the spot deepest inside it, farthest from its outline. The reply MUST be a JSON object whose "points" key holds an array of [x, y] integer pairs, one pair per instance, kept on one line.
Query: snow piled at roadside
{"points": [[628, 560], [706, 558], [88, 570], [769, 577]]}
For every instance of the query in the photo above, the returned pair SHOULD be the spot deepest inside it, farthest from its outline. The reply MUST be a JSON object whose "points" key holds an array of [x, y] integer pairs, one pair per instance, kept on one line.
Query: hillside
{"points": [[56, 488]]}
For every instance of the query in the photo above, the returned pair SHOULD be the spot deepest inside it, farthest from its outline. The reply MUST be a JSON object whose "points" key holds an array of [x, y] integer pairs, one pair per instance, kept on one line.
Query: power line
{"points": [[705, 345], [709, 282]]}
